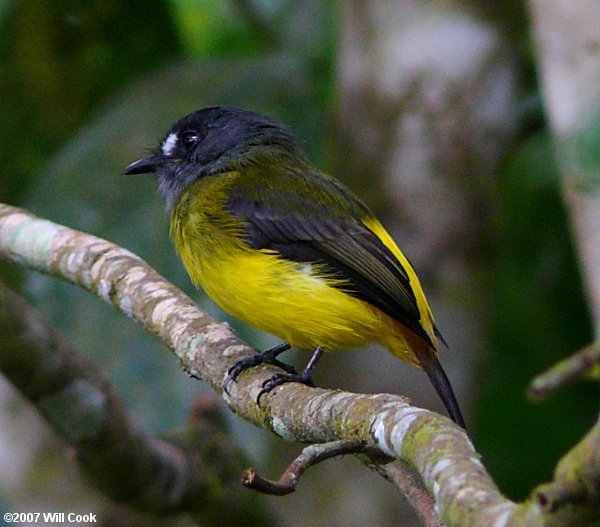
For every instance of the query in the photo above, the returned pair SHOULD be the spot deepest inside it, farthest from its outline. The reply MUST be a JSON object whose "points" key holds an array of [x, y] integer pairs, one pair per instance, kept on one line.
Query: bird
{"points": [[287, 248]]}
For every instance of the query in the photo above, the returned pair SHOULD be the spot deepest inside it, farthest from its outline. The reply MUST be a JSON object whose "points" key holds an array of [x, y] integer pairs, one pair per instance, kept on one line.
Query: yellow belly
{"points": [[288, 300]]}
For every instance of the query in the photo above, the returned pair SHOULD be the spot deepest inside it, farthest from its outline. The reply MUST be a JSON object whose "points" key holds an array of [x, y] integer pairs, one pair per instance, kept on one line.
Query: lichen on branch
{"points": [[387, 425]]}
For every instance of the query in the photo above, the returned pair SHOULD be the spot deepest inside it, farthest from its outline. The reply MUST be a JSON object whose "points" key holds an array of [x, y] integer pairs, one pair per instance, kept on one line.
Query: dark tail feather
{"points": [[441, 383]]}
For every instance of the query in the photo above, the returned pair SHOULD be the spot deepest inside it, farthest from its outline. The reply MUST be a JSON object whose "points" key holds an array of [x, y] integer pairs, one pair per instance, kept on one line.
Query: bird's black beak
{"points": [[146, 165]]}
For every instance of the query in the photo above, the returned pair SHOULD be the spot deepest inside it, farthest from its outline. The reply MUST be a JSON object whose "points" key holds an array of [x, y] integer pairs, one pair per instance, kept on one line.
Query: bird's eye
{"points": [[189, 139]]}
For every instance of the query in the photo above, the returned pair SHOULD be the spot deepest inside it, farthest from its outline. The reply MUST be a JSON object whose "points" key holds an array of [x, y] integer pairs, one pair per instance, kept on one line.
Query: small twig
{"points": [[310, 456], [551, 497], [413, 488], [565, 372], [574, 492]]}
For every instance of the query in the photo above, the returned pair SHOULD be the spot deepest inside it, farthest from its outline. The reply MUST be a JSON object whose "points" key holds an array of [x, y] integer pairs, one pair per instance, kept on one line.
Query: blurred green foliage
{"points": [[538, 317], [580, 155], [87, 85], [61, 58]]}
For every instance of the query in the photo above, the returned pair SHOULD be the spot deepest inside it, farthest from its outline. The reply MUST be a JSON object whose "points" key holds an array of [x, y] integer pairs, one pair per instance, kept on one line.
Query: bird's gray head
{"points": [[213, 140]]}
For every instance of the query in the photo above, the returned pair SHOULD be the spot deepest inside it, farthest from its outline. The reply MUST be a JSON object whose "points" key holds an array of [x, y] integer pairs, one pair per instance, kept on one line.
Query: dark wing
{"points": [[328, 231]]}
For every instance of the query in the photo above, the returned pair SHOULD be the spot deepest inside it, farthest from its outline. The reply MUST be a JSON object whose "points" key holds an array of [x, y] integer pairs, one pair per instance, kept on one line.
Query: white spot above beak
{"points": [[169, 144]]}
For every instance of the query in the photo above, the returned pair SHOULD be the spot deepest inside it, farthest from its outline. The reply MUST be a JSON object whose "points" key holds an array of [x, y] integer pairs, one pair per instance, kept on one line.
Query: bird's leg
{"points": [[303, 377], [266, 357]]}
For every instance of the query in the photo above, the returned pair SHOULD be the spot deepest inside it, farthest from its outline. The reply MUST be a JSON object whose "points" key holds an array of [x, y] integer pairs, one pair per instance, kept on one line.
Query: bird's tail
{"points": [[430, 363]]}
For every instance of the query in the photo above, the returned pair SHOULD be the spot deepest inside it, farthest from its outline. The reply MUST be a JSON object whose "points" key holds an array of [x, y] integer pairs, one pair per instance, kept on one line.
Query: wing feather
{"points": [[335, 237]]}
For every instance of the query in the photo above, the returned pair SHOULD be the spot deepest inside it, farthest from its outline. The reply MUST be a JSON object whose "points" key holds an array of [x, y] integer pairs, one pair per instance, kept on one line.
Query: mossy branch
{"points": [[565, 372], [170, 475], [387, 425]]}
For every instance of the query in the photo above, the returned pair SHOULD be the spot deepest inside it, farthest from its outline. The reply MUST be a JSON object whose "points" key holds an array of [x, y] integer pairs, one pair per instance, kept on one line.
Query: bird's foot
{"points": [[283, 378], [266, 357]]}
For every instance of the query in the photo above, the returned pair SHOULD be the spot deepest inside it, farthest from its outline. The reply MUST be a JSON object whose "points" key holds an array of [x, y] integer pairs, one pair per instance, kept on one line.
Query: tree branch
{"points": [[432, 445], [161, 476], [565, 372], [566, 38], [413, 488], [575, 482], [310, 456]]}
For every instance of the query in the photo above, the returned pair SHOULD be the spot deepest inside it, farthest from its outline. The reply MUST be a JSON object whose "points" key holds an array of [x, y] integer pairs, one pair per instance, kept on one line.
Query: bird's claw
{"points": [[283, 378], [268, 357], [236, 370]]}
